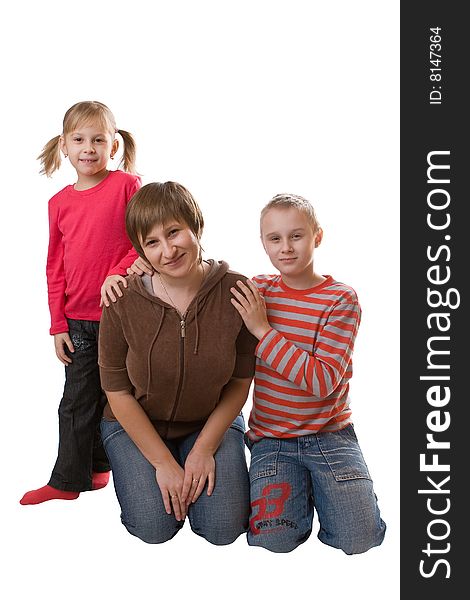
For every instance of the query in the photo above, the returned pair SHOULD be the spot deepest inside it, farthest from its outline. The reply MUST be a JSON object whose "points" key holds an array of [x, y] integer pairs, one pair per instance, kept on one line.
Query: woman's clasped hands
{"points": [[181, 487]]}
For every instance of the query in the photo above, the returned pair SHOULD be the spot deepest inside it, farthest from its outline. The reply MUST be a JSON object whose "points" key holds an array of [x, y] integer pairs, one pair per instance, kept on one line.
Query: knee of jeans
{"points": [[221, 534], [358, 543], [223, 538], [150, 533], [356, 546], [275, 542]]}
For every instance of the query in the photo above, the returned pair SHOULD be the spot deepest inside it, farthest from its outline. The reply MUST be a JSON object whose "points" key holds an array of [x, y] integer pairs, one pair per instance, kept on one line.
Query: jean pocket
{"points": [[264, 458], [342, 453], [81, 340]]}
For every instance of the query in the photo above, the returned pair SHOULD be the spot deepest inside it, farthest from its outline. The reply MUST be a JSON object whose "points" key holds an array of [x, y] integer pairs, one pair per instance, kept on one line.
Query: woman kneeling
{"points": [[176, 364]]}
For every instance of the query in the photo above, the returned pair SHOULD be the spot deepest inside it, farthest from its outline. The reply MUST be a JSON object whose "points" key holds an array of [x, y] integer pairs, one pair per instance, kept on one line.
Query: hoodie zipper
{"points": [[181, 365]]}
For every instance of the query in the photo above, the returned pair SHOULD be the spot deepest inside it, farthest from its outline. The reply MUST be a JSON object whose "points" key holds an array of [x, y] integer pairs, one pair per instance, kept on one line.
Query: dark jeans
{"points": [[80, 448]]}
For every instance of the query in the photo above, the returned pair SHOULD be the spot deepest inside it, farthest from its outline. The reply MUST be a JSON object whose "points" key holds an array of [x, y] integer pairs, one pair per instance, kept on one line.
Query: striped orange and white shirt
{"points": [[304, 364]]}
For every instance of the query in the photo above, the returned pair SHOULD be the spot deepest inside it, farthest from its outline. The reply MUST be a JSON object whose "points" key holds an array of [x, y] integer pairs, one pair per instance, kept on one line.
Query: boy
{"points": [[304, 452]]}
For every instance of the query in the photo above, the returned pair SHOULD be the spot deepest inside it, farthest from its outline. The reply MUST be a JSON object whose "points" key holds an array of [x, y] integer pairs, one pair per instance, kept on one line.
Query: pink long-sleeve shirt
{"points": [[87, 242]]}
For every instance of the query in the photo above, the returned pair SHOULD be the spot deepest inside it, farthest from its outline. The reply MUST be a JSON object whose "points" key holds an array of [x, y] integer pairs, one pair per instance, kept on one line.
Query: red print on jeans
{"points": [[270, 507]]}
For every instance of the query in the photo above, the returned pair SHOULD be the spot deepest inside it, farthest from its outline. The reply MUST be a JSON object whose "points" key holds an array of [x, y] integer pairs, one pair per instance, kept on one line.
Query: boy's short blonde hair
{"points": [[157, 204], [293, 201]]}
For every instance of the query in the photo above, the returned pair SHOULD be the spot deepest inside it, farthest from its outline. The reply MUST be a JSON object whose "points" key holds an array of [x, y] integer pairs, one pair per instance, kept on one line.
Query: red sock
{"points": [[47, 493], [99, 480]]}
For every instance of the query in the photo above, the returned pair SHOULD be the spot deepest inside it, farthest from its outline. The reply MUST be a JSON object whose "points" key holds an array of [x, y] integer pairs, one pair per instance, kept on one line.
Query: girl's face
{"points": [[172, 249], [89, 147]]}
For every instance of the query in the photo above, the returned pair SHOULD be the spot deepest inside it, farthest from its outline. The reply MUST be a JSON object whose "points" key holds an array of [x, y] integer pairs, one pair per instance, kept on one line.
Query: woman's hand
{"points": [[251, 307], [111, 288], [198, 468], [139, 267], [170, 477], [61, 341]]}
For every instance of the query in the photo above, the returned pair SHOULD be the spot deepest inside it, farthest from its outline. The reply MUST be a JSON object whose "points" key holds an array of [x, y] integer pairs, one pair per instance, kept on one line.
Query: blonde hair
{"points": [[293, 201], [157, 204], [87, 112]]}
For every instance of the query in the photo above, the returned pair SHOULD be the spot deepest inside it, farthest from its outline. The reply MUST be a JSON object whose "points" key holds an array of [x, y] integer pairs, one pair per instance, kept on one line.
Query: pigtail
{"points": [[50, 157], [129, 154]]}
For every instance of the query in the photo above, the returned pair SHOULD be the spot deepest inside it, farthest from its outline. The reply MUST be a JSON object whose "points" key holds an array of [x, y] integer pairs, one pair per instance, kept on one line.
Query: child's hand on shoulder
{"points": [[139, 267], [251, 306], [111, 288]]}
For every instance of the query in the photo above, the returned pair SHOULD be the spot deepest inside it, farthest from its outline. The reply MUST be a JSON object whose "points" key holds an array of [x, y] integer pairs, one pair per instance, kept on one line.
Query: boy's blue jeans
{"points": [[219, 518], [291, 477], [80, 450]]}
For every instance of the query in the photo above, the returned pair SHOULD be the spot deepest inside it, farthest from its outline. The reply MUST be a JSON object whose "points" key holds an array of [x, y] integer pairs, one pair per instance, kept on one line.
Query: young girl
{"points": [[87, 242]]}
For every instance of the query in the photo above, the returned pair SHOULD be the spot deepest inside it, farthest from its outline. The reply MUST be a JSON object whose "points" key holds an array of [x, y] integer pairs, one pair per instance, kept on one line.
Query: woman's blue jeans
{"points": [[219, 518], [326, 472]]}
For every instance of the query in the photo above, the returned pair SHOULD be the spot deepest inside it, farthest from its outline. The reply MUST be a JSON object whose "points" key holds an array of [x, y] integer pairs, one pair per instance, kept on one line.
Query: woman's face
{"points": [[172, 249]]}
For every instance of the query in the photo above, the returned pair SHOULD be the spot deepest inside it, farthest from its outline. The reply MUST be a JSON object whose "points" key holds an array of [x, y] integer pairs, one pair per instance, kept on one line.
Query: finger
{"points": [[104, 298], [241, 298], [69, 344], [64, 359], [245, 289], [199, 489], [210, 483], [166, 501], [254, 290], [176, 507], [187, 483], [61, 359], [238, 306], [117, 289], [110, 294], [194, 486]]}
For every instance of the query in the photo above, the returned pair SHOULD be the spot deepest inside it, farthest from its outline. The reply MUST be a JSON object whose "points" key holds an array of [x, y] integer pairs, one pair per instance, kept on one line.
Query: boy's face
{"points": [[289, 241]]}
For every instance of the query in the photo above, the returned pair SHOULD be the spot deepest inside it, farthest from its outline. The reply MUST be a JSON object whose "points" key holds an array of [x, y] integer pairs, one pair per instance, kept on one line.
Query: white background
{"points": [[237, 101]]}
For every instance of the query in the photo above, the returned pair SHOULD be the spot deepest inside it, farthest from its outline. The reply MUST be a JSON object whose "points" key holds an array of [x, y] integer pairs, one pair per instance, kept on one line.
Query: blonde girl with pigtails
{"points": [[88, 251]]}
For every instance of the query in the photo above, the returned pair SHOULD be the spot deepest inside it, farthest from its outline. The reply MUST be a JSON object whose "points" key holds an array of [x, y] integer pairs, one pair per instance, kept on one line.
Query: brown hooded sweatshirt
{"points": [[176, 370]]}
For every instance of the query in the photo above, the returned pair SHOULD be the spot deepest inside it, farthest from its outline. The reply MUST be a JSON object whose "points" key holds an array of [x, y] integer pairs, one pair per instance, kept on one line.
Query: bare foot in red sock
{"points": [[47, 493], [99, 480]]}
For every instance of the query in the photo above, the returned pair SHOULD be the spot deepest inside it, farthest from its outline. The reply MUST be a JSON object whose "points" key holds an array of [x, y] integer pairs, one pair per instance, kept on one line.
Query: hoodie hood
{"points": [[142, 285], [214, 273]]}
